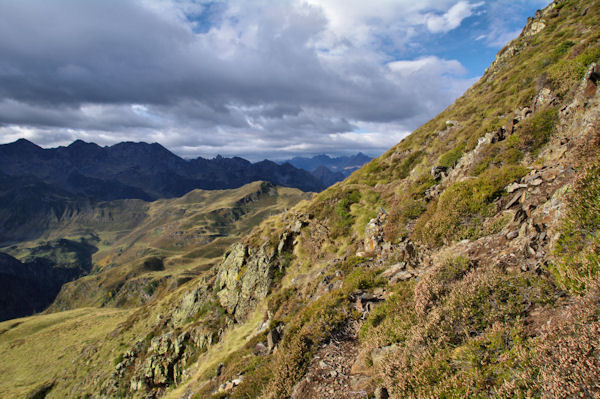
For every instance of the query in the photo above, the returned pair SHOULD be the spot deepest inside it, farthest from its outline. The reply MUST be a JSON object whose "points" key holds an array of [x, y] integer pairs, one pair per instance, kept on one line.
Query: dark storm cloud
{"points": [[204, 77]]}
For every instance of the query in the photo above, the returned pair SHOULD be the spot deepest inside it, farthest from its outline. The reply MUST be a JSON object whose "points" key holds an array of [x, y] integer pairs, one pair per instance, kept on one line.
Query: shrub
{"points": [[343, 219], [567, 72], [403, 210], [451, 158], [437, 282], [465, 343], [459, 212], [578, 249], [306, 330], [390, 321], [568, 356], [536, 131]]}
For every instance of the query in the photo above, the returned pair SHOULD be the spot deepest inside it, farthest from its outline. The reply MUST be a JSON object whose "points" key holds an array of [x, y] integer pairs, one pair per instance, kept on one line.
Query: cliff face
{"points": [[461, 263]]}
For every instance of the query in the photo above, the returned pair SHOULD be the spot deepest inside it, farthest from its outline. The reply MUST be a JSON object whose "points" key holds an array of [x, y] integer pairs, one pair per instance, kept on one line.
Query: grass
{"points": [[578, 249], [29, 360], [461, 209]]}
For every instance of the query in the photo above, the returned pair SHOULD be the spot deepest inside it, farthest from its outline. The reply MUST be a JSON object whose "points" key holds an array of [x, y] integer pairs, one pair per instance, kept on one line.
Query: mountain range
{"points": [[328, 169], [138, 170]]}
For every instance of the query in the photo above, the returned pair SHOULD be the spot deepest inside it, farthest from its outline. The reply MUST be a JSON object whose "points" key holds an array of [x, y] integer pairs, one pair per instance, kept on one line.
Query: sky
{"points": [[253, 78]]}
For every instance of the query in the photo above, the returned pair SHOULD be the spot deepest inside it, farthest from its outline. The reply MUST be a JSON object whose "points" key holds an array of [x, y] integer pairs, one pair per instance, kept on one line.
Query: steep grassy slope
{"points": [[472, 283], [461, 263]]}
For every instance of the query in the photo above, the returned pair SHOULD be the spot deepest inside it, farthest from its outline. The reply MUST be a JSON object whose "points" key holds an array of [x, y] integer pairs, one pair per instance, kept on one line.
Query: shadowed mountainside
{"points": [[139, 170]]}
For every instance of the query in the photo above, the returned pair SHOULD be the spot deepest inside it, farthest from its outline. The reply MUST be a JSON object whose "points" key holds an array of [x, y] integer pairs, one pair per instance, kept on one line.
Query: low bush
{"points": [[460, 210], [536, 131], [450, 159], [578, 249]]}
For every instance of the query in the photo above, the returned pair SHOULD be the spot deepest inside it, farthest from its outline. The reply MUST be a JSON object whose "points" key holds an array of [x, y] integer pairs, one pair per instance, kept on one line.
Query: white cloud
{"points": [[452, 18]]}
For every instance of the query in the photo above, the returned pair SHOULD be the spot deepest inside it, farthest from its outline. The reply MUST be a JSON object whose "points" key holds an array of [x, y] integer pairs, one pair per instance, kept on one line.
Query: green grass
{"points": [[45, 348], [461, 209], [578, 249]]}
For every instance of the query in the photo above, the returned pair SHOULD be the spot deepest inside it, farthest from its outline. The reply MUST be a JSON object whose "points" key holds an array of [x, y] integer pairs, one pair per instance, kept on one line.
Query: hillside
{"points": [[133, 250], [461, 263], [137, 171]]}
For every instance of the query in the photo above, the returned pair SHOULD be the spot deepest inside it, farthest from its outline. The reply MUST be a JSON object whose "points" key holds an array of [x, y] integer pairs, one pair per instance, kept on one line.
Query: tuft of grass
{"points": [[450, 159], [536, 131], [578, 250], [461, 209]]}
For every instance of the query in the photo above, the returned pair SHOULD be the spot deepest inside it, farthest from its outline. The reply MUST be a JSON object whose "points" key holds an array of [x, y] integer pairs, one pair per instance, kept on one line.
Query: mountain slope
{"points": [[461, 263], [326, 176], [139, 170], [31, 286], [143, 249]]}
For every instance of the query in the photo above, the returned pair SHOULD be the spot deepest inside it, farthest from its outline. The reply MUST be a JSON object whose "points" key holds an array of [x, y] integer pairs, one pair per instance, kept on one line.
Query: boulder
{"points": [[545, 97], [244, 278], [379, 355]]}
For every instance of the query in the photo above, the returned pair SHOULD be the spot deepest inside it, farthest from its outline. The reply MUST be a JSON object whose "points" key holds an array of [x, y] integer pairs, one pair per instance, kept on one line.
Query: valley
{"points": [[134, 250]]}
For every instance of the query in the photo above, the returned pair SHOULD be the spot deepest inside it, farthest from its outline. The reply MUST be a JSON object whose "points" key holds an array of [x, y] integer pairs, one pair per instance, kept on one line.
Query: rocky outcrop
{"points": [[244, 278], [151, 367], [246, 273], [374, 234]]}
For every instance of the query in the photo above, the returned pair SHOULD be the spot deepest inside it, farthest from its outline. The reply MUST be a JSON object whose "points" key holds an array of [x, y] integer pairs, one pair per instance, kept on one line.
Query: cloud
{"points": [[452, 18], [254, 78]]}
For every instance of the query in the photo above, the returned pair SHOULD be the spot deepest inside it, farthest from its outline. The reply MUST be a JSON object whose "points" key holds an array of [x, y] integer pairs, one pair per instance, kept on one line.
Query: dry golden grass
{"points": [[45, 348]]}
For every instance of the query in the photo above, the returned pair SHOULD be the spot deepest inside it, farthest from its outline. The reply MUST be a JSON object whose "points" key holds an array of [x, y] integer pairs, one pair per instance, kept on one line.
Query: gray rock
{"points": [[378, 355], [393, 269], [514, 187], [536, 182], [514, 200], [374, 233], [260, 349], [401, 276]]}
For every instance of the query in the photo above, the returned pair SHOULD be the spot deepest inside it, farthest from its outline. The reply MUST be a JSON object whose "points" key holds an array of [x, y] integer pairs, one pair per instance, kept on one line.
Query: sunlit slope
{"points": [[177, 240], [39, 351]]}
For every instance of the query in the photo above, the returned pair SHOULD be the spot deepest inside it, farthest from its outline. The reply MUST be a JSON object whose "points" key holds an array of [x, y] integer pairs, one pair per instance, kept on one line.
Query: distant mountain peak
{"points": [[24, 143], [337, 168]]}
